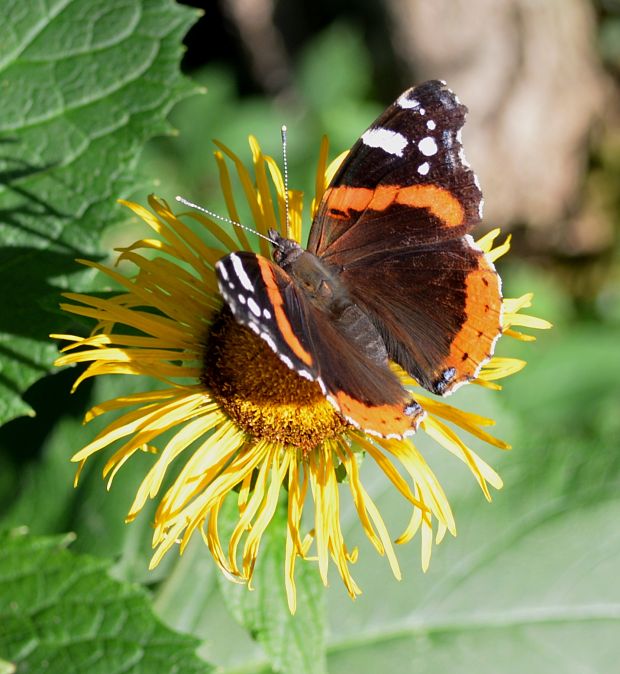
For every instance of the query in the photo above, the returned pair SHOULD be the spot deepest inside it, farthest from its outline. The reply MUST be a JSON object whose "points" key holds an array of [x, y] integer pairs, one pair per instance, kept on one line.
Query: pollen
{"points": [[258, 391]]}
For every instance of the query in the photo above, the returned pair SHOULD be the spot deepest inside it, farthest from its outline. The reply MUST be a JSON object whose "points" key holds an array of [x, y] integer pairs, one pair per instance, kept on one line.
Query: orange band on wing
{"points": [[385, 420], [282, 321], [341, 200], [474, 342], [440, 202]]}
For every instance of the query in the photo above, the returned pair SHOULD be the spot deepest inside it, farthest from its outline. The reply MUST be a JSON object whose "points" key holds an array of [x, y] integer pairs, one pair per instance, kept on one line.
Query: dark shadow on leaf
{"points": [[51, 397], [32, 257], [31, 206], [31, 250], [26, 294], [17, 359]]}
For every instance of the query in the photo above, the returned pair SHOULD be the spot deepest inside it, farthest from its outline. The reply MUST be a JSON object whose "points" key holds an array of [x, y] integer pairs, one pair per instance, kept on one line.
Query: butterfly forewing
{"points": [[263, 297], [405, 179]]}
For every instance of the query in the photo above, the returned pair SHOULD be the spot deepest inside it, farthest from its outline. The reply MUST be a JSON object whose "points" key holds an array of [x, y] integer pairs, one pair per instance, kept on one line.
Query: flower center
{"points": [[260, 393]]}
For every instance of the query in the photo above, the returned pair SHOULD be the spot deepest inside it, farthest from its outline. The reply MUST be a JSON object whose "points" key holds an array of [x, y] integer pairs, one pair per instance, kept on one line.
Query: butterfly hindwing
{"points": [[438, 310]]}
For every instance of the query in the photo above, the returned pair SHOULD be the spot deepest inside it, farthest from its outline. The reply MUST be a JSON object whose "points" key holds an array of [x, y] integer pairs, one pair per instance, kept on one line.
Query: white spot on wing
{"points": [[424, 168], [266, 313], [422, 111], [389, 141], [287, 361], [254, 308], [241, 273], [469, 240], [405, 102], [305, 374], [463, 159], [270, 342], [241, 298], [431, 125], [222, 269], [428, 146]]}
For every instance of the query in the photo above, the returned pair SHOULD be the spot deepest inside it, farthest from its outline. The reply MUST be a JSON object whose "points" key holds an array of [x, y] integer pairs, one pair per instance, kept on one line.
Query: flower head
{"points": [[239, 424]]}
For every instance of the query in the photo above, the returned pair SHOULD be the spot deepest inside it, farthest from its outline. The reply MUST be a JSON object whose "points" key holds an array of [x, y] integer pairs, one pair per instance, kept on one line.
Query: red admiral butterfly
{"points": [[390, 272]]}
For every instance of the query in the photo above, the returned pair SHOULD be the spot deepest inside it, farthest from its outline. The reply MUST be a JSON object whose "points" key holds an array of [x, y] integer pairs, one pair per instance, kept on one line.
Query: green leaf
{"points": [[34, 505], [83, 86], [294, 644], [61, 613], [47, 502], [336, 66]]}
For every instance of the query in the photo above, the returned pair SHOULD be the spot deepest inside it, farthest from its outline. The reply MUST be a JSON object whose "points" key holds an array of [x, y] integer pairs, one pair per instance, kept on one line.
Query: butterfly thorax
{"points": [[321, 284]]}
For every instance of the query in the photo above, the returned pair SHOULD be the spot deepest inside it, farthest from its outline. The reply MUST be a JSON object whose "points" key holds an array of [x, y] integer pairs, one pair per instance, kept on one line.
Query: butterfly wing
{"points": [[404, 181], [395, 222], [266, 299], [438, 310]]}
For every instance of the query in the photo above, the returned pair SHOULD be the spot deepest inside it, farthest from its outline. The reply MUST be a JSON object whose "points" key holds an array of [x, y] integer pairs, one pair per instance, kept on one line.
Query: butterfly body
{"points": [[390, 272], [322, 285]]}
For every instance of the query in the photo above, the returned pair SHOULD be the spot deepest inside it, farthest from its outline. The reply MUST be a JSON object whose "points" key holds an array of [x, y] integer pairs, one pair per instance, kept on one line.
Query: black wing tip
{"points": [[434, 93]]}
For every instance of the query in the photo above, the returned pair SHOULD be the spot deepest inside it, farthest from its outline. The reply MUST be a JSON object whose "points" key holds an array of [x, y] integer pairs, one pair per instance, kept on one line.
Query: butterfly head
{"points": [[285, 251]]}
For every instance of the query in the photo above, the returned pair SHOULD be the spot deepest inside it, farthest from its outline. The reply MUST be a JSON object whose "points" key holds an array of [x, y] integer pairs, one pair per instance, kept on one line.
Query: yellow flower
{"points": [[238, 422]]}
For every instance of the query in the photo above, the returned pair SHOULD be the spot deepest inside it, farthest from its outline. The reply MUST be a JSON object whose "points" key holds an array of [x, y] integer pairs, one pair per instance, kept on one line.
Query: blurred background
{"points": [[535, 572]]}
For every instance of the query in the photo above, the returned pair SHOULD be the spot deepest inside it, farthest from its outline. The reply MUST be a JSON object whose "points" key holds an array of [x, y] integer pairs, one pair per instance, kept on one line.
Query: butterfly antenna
{"points": [[211, 214], [285, 164]]}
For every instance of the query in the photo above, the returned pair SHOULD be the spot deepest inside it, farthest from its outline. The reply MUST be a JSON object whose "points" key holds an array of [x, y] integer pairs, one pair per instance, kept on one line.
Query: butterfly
{"points": [[390, 272]]}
